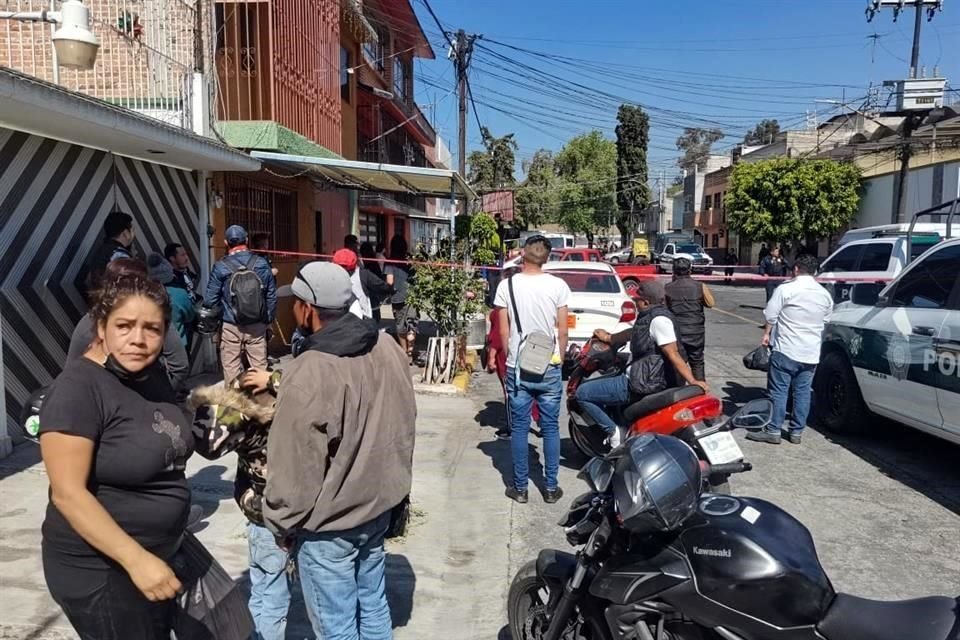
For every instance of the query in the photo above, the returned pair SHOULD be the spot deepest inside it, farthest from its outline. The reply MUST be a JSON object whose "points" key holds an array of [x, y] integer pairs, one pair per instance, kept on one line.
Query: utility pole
{"points": [[462, 52], [912, 119]]}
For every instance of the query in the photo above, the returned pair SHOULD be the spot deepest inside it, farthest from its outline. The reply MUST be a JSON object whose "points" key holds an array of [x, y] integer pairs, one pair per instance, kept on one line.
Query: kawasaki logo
{"points": [[714, 553]]}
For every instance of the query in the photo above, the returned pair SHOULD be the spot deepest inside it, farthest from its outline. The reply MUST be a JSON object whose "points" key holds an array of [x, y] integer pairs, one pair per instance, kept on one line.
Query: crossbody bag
{"points": [[536, 348]]}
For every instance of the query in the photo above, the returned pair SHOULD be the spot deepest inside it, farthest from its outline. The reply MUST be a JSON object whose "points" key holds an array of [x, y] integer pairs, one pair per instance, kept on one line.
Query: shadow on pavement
{"points": [[208, 488], [736, 395], [24, 456], [500, 453], [493, 414], [924, 463]]}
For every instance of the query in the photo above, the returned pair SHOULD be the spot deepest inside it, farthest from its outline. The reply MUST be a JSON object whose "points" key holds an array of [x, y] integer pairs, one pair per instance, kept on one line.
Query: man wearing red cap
{"points": [[347, 259]]}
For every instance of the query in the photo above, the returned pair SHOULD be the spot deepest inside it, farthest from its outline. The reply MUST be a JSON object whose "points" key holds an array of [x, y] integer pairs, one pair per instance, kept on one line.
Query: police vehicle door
{"points": [[947, 354], [905, 331]]}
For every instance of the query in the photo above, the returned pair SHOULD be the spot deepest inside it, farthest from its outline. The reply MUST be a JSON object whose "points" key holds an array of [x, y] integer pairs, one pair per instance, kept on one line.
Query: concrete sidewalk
{"points": [[432, 574]]}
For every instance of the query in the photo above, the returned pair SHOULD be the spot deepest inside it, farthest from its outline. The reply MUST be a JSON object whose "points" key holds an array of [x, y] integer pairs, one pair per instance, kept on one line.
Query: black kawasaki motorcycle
{"points": [[661, 560]]}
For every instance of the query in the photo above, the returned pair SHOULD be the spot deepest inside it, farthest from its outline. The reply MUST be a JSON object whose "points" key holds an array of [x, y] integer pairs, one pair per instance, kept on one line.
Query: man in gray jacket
{"points": [[341, 456]]}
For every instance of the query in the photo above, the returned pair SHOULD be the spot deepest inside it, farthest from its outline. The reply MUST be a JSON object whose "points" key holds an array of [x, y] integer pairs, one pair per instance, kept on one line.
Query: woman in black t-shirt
{"points": [[115, 445]]}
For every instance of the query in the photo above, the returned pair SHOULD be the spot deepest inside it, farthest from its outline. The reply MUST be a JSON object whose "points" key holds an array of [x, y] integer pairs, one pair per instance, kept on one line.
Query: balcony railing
{"points": [[146, 56]]}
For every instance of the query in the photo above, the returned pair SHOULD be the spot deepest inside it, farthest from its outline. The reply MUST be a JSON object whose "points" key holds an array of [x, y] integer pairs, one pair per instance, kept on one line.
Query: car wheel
{"points": [[614, 260], [839, 404]]}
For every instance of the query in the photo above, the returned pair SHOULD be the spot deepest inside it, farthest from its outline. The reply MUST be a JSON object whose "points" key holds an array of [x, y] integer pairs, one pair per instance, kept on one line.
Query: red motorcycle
{"points": [[687, 413]]}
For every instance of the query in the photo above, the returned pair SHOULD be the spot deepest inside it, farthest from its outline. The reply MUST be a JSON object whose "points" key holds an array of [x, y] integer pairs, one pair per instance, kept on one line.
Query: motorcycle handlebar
{"points": [[728, 468]]}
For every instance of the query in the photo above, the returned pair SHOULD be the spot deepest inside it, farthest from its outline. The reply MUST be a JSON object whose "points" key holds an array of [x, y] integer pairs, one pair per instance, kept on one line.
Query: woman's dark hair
{"points": [[398, 247], [366, 251], [117, 287]]}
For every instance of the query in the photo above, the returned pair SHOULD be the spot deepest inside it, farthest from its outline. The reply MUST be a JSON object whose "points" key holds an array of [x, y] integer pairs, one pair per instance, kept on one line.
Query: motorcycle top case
{"points": [[757, 559]]}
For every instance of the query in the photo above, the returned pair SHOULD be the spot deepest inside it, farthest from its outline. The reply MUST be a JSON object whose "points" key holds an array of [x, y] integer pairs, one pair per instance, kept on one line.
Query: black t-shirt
{"points": [[142, 439]]}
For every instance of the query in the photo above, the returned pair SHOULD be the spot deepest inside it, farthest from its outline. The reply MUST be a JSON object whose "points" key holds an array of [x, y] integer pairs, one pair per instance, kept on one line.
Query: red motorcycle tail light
{"points": [[698, 409], [668, 420]]}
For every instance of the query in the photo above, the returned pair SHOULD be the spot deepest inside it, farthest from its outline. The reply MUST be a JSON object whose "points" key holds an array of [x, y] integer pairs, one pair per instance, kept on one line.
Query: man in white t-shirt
{"points": [[652, 337], [540, 300]]}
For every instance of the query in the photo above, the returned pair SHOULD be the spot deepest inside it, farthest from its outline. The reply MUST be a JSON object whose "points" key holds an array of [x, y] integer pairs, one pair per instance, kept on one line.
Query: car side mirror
{"points": [[866, 294], [756, 414]]}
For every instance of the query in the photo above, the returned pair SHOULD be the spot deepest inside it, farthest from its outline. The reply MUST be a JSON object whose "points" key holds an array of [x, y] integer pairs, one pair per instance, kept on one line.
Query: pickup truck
{"points": [[632, 274], [578, 254], [895, 352]]}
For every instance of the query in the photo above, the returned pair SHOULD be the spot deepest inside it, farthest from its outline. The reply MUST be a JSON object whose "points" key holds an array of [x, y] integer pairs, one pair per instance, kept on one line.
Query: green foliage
{"points": [[785, 199], [633, 190], [492, 168], [696, 144], [763, 133], [478, 238], [587, 169], [448, 296], [536, 201]]}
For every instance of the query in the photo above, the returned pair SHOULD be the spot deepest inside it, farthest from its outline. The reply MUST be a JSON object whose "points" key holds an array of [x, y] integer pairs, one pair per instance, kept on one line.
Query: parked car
{"points": [[893, 230], [599, 299], [700, 260], [895, 351], [579, 254], [620, 255], [883, 258]]}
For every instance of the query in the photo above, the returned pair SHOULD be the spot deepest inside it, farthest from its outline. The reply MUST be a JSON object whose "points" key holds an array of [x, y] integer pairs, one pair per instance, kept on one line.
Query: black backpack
{"points": [[246, 292]]}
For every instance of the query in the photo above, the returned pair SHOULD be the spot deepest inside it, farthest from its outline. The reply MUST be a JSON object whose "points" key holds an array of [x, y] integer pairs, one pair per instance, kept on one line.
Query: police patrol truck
{"points": [[895, 352]]}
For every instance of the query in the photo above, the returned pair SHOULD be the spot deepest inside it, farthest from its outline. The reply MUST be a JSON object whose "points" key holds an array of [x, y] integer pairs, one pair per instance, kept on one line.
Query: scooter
{"points": [[687, 413], [660, 561]]}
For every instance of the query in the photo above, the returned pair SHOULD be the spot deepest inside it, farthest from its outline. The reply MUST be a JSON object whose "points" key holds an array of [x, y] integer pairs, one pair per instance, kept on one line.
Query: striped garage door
{"points": [[54, 197]]}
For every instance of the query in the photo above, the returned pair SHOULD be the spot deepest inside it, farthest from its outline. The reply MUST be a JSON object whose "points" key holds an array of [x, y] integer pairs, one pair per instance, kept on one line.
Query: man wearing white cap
{"points": [[341, 455]]}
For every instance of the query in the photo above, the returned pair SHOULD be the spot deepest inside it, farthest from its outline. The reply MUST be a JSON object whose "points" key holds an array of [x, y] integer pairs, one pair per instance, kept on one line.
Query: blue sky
{"points": [[723, 63]]}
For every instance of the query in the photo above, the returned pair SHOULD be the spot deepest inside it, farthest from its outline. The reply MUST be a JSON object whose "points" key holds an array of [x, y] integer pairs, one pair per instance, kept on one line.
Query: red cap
{"points": [[346, 259]]}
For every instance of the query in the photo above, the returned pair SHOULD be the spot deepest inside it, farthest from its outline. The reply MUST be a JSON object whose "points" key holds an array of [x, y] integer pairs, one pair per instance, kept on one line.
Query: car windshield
{"points": [[589, 281], [689, 248], [556, 243]]}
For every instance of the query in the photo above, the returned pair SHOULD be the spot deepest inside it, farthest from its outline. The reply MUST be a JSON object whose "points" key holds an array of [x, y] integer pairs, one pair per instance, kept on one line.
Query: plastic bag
{"points": [[758, 359], [212, 606]]}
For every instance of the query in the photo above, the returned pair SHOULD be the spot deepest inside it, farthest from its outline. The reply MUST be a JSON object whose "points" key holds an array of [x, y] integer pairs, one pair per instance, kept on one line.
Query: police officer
{"points": [[686, 299]]}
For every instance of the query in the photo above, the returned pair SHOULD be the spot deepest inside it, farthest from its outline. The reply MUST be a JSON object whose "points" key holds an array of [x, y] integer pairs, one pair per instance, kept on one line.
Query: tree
{"points": [[450, 296], [792, 199], [492, 168], [536, 200], [763, 133], [587, 172], [478, 238], [633, 191], [695, 144]]}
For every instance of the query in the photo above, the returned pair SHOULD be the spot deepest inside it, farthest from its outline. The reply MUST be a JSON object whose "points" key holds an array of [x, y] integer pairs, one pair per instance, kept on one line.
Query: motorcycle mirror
{"points": [[756, 414], [598, 473]]}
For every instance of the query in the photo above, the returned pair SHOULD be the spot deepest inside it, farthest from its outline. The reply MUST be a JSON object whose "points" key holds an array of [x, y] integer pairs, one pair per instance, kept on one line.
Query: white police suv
{"points": [[897, 353]]}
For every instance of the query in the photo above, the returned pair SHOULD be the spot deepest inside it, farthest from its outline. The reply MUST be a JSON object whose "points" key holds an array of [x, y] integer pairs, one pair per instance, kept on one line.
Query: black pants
{"points": [[771, 287], [104, 604], [695, 360], [728, 272]]}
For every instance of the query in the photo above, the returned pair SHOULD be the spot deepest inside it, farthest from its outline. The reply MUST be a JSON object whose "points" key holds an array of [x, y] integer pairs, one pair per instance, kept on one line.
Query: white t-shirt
{"points": [[538, 297], [661, 330], [361, 306]]}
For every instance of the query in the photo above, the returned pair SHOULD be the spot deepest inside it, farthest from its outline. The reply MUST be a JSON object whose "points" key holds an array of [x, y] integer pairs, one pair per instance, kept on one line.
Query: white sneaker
{"points": [[614, 439]]}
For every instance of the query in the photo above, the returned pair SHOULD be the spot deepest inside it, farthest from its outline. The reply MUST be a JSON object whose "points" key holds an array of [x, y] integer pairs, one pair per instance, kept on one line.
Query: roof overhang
{"points": [[45, 109], [403, 22], [372, 176]]}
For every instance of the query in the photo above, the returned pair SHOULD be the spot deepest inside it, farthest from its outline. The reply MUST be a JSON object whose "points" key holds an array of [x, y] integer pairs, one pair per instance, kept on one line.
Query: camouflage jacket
{"points": [[226, 420]]}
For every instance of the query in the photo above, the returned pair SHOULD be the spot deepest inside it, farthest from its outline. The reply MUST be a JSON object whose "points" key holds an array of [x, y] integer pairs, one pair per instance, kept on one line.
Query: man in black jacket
{"points": [[775, 268], [118, 235], [686, 299], [658, 361]]}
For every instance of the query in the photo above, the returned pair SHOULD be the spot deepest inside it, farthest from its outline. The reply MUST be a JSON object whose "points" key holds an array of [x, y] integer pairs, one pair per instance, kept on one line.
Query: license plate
{"points": [[571, 321], [721, 448]]}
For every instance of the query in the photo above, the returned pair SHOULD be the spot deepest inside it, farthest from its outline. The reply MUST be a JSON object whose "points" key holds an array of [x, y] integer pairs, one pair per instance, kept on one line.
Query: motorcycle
{"points": [[661, 560], [687, 413]]}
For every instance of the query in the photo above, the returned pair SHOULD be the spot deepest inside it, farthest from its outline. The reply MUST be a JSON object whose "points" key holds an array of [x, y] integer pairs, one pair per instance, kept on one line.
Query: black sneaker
{"points": [[516, 495], [793, 438], [550, 496], [503, 433], [764, 436]]}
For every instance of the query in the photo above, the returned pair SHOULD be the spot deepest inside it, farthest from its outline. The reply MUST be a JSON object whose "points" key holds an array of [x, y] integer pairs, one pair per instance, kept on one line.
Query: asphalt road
{"points": [[884, 509]]}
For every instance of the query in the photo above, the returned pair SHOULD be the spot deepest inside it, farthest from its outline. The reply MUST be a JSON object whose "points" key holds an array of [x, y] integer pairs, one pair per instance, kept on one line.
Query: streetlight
{"points": [[75, 44]]}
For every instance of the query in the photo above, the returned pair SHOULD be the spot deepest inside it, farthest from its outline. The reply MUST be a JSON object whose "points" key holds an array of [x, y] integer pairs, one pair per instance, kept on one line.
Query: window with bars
{"points": [[375, 51], [262, 208]]}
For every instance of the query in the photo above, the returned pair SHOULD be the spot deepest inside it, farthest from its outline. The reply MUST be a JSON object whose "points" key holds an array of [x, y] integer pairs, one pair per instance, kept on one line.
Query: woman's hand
{"points": [[153, 577], [255, 380]]}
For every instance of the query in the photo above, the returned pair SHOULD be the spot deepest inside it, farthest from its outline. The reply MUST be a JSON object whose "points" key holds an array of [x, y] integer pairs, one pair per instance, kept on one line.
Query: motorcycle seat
{"points": [[853, 618], [656, 401]]}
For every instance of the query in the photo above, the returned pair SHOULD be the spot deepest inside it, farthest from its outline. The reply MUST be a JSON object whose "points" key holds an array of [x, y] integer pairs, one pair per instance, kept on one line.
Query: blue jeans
{"points": [[269, 585], [783, 374], [521, 395], [343, 581], [593, 395]]}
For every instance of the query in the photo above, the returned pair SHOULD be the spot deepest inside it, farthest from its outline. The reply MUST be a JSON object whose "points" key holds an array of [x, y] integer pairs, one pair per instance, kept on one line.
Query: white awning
{"points": [[372, 176], [35, 106]]}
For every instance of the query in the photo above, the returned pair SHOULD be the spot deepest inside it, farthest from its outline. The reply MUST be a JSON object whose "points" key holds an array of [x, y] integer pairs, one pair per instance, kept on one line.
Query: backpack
{"points": [[246, 292]]}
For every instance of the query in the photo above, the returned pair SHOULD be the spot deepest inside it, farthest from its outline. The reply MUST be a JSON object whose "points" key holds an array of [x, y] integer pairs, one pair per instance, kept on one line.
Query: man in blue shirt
{"points": [[242, 284]]}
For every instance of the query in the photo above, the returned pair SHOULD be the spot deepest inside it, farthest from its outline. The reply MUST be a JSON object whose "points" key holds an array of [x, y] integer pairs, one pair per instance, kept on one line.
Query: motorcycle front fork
{"points": [[572, 592]]}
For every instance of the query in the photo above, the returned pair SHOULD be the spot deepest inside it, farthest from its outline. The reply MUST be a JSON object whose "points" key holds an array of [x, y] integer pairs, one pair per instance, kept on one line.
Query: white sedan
{"points": [[598, 301]]}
